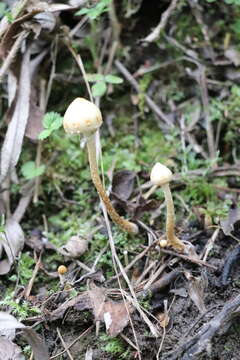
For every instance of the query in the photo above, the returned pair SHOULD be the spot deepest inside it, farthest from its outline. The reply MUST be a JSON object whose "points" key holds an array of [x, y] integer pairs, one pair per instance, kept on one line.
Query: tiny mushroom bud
{"points": [[161, 176], [84, 117], [62, 269]]}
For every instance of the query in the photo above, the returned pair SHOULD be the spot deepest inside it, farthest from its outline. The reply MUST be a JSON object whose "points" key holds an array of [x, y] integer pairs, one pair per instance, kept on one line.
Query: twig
{"points": [[187, 258], [149, 101], [74, 342], [31, 281], [208, 247], [163, 22], [133, 262], [64, 344]]}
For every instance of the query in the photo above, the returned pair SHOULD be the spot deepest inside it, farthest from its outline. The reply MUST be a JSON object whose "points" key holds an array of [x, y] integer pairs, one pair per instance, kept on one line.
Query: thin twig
{"points": [[190, 259], [64, 344], [162, 24]]}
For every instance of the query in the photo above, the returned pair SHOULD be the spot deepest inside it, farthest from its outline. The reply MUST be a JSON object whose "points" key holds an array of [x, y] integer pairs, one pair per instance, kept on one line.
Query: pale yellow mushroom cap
{"points": [[160, 174], [82, 117]]}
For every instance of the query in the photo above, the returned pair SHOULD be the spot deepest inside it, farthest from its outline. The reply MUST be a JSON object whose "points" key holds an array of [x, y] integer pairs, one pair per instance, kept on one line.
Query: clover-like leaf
{"points": [[30, 170], [113, 79]]}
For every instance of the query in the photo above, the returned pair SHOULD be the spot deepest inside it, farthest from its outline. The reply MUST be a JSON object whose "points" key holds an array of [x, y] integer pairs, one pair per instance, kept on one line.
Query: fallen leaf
{"points": [[34, 123], [40, 350], [123, 183], [233, 55], [196, 287], [89, 354], [9, 350], [75, 247], [113, 314], [228, 223], [11, 242], [12, 145]]}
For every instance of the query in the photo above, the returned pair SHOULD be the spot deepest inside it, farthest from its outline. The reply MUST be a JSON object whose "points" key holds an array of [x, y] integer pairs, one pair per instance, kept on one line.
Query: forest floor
{"points": [[166, 78]]}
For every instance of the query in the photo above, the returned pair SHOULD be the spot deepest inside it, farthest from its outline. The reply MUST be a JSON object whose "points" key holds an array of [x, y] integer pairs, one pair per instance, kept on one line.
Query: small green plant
{"points": [[4, 11], [100, 82], [21, 309], [94, 12], [113, 345], [52, 121], [30, 170], [26, 263]]}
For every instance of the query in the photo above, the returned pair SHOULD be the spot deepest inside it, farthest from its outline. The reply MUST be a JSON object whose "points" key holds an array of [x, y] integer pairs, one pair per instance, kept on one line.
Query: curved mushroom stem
{"points": [[170, 221], [124, 224]]}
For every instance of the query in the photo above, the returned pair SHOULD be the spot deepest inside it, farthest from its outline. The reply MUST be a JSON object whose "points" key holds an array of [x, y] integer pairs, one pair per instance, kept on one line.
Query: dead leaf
{"points": [[34, 123], [228, 223], [233, 55], [163, 319], [89, 354], [113, 314], [11, 242], [196, 287], [12, 145], [123, 183], [75, 247], [12, 30], [40, 350], [9, 350]]}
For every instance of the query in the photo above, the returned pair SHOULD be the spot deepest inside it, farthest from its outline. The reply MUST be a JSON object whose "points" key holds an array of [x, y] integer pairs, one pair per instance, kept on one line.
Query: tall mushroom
{"points": [[161, 176], [84, 117]]}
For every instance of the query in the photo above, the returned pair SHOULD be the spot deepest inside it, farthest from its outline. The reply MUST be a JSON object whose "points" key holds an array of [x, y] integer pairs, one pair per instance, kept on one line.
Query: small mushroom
{"points": [[62, 269], [84, 117], [161, 176]]}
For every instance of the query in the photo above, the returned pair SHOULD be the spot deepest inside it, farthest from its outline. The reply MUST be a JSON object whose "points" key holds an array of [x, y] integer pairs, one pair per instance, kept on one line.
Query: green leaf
{"points": [[95, 11], [30, 171], [112, 79], [44, 134], [95, 77], [236, 26], [52, 120], [99, 88], [2, 8]]}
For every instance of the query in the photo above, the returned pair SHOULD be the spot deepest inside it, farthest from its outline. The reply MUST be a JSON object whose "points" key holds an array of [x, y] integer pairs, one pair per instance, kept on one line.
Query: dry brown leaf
{"points": [[9, 350], [8, 322], [113, 314], [11, 243], [123, 184], [233, 54], [12, 145], [196, 287], [34, 123], [75, 247]]}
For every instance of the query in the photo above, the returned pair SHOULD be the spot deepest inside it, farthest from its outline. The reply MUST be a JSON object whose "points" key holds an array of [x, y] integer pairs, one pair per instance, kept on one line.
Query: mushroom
{"points": [[161, 176], [84, 117], [62, 269]]}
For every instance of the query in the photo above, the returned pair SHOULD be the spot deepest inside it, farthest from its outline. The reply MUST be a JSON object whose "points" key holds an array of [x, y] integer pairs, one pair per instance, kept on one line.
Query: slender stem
{"points": [[124, 224], [170, 221]]}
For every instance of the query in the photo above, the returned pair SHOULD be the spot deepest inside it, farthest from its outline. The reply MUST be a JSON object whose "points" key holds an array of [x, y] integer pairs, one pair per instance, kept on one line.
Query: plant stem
{"points": [[124, 224], [170, 221]]}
